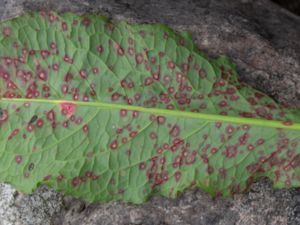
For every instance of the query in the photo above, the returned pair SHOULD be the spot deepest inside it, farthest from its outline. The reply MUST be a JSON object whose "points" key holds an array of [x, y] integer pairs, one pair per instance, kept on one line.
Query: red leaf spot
{"points": [[171, 65], [210, 170], [250, 147], [166, 146], [130, 51], [130, 41], [175, 131], [67, 59], [51, 115], [14, 133], [76, 181], [203, 106], [230, 90], [202, 74], [114, 144], [123, 112], [120, 51], [95, 70], [159, 150], [89, 174], [245, 127], [43, 75], [229, 129], [161, 119], [68, 77], [119, 130], [153, 135], [85, 128], [60, 178], [83, 74], [156, 76], [45, 54], [86, 22], [218, 125], [287, 123], [204, 158], [100, 49], [64, 89], [148, 81], [65, 124], [53, 45], [142, 33], [230, 151], [95, 177], [222, 104], [260, 141], [246, 114], [162, 160], [39, 123], [177, 175], [243, 139], [214, 150], [6, 31], [47, 178], [67, 109], [142, 166], [123, 83], [76, 97], [115, 96], [18, 159], [222, 172], [78, 120], [124, 140], [259, 95], [55, 67], [133, 134], [139, 58], [85, 98], [30, 128], [135, 114]]}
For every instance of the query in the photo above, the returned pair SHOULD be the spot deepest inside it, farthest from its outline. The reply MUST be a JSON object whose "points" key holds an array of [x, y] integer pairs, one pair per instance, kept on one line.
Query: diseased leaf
{"points": [[108, 111]]}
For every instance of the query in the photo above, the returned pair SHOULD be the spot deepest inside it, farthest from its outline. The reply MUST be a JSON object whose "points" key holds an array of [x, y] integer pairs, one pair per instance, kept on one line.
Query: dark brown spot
{"points": [[33, 119]]}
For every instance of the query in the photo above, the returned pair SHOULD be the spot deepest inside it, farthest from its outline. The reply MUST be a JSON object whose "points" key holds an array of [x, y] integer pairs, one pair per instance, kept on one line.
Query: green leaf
{"points": [[106, 110]]}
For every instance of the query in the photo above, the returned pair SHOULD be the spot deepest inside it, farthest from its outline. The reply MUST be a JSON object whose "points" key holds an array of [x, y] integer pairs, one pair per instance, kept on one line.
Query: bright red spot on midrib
{"points": [[67, 109]]}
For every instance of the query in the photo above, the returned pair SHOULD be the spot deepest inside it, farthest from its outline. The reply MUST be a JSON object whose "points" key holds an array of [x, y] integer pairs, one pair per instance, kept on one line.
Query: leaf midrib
{"points": [[166, 112]]}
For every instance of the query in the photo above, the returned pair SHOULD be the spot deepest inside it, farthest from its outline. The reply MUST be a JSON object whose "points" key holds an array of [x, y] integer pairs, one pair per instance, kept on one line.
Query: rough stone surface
{"points": [[260, 37], [19, 209]]}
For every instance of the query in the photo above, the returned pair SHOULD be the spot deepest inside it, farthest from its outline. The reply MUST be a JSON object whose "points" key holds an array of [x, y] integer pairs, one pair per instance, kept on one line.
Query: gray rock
{"points": [[259, 36], [20, 209]]}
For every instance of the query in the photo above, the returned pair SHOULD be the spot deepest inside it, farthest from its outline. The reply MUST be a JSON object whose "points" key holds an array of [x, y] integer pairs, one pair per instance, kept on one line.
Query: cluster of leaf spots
{"points": [[80, 110]]}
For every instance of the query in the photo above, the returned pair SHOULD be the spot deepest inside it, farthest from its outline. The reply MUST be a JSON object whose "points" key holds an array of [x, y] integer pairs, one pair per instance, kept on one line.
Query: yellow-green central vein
{"points": [[166, 112]]}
